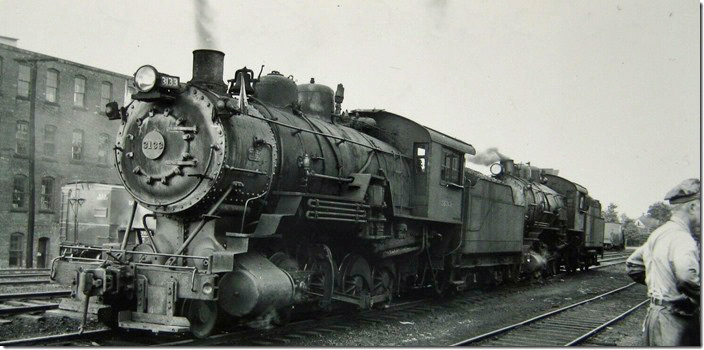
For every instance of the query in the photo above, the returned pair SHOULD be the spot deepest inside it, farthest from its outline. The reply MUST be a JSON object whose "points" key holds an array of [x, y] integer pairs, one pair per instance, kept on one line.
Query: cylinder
{"points": [[208, 70], [255, 286]]}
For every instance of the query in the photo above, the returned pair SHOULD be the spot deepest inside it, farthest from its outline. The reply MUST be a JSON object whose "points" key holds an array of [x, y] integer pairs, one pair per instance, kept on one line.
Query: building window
{"points": [[105, 93], [450, 166], [19, 191], [77, 145], [103, 147], [22, 137], [79, 91], [52, 85], [49, 140], [16, 249], [47, 194], [23, 81]]}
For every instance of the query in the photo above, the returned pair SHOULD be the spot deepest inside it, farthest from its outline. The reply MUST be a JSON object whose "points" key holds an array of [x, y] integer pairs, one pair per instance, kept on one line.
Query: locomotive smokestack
{"points": [[507, 165], [208, 70]]}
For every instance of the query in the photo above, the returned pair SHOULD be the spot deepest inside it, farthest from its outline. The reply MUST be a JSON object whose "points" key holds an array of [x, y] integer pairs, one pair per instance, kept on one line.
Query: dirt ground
{"points": [[38, 323], [444, 328]]}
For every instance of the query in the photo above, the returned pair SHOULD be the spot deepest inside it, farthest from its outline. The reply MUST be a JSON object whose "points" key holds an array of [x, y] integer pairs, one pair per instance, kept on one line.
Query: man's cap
{"points": [[686, 191]]}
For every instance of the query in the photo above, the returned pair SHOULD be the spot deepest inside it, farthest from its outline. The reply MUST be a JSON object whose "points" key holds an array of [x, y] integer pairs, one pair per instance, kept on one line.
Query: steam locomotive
{"points": [[266, 197]]}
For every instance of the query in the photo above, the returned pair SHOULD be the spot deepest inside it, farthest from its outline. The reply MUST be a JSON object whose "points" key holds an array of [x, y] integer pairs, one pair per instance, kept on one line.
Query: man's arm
{"points": [[635, 267], [685, 262]]}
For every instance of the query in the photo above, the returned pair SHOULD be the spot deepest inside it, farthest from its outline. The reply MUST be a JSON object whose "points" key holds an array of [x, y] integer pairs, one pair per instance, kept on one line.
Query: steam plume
{"points": [[205, 25], [438, 11], [487, 157]]}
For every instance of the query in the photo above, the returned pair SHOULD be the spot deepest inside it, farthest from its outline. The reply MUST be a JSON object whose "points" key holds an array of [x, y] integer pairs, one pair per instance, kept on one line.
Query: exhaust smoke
{"points": [[205, 25], [487, 157]]}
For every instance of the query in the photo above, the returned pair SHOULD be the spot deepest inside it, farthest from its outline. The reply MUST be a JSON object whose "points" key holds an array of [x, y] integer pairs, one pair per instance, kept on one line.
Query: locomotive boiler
{"points": [[265, 196], [562, 222]]}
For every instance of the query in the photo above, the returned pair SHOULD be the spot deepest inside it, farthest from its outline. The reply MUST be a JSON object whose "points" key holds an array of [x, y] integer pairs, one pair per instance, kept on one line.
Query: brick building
{"points": [[72, 141]]}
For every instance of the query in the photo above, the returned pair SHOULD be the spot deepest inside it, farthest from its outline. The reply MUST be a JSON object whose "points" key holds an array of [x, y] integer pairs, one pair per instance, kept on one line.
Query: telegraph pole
{"points": [[29, 262]]}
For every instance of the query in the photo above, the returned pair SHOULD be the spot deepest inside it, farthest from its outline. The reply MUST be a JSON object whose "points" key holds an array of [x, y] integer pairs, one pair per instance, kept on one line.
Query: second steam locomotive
{"points": [[267, 197]]}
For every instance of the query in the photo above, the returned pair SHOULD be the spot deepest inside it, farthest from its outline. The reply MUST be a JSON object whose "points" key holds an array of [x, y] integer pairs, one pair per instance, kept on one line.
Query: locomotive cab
{"points": [[438, 165], [584, 224]]}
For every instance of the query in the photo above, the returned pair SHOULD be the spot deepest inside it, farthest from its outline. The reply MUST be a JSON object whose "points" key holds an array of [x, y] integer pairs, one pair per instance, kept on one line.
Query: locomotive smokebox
{"points": [[208, 70]]}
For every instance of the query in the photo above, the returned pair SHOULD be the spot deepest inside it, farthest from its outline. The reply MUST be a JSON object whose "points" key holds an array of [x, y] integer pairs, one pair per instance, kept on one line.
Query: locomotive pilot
{"points": [[669, 262]]}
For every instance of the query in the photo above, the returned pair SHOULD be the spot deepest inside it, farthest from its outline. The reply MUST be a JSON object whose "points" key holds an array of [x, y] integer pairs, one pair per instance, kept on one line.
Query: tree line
{"points": [[658, 214]]}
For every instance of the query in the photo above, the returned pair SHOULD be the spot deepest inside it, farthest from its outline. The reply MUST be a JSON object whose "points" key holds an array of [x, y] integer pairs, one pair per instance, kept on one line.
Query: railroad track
{"points": [[35, 295], [17, 282], [24, 276], [308, 327], [20, 307], [346, 322], [567, 326], [19, 303], [70, 339], [615, 258], [20, 271], [286, 335]]}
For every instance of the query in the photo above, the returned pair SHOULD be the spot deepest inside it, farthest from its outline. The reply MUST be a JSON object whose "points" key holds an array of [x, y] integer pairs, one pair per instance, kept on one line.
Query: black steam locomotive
{"points": [[266, 196]]}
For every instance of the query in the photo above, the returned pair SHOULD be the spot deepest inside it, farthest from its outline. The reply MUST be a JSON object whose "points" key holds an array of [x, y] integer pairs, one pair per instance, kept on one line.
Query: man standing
{"points": [[671, 261]]}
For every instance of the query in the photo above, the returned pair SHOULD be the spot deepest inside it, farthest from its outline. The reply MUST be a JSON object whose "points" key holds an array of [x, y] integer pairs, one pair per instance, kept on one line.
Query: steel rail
{"points": [[27, 308], [612, 258], [23, 275], [56, 337], [606, 324], [537, 318], [16, 282], [21, 270], [35, 295], [607, 265]]}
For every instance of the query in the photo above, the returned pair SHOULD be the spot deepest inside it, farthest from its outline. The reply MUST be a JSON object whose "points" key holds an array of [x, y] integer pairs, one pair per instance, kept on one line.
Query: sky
{"points": [[608, 92]]}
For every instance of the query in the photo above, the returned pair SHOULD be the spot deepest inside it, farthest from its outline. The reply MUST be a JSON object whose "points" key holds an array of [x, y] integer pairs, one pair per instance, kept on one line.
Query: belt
{"points": [[683, 305]]}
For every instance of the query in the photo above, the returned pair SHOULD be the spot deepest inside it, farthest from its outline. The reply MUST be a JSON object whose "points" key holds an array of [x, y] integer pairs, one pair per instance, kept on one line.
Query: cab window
{"points": [[583, 202], [450, 171], [420, 158]]}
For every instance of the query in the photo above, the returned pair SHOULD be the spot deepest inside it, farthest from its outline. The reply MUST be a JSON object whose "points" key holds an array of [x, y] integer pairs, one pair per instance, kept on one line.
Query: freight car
{"points": [[266, 196], [613, 237], [95, 214]]}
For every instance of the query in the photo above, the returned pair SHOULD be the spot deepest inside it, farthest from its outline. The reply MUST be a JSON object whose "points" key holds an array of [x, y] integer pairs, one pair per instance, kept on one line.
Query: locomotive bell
{"points": [[316, 100], [208, 70], [276, 89]]}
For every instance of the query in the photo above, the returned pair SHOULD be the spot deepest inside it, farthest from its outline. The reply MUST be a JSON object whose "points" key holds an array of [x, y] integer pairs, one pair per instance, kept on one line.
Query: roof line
{"points": [[64, 61]]}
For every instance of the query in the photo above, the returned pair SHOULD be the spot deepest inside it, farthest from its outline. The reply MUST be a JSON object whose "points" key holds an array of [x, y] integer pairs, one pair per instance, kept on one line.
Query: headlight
{"points": [[145, 78]]}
